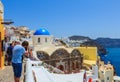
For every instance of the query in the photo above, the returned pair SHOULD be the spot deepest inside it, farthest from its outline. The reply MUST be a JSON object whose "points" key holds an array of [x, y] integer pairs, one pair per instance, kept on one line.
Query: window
{"points": [[40, 55], [60, 53], [107, 78], [38, 40], [46, 40]]}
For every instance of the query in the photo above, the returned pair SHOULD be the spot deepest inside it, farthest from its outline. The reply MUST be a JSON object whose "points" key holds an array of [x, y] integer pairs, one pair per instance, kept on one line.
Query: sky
{"points": [[63, 18]]}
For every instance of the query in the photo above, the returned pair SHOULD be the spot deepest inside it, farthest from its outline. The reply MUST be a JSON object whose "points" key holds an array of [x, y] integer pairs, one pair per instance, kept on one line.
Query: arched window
{"points": [[42, 55], [38, 40]]}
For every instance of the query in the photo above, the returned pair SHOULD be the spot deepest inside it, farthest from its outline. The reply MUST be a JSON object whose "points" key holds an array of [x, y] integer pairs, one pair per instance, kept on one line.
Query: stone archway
{"points": [[43, 56], [76, 60], [59, 55]]}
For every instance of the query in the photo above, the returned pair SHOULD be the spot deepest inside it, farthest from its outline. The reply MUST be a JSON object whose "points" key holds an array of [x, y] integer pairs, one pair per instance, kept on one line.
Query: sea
{"points": [[113, 56]]}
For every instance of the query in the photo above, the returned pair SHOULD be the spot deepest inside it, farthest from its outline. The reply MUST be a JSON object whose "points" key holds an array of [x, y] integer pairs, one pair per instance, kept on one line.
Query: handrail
{"points": [[29, 74]]}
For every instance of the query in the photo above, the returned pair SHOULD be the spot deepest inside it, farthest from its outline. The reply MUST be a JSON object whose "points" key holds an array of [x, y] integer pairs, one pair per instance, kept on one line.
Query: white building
{"points": [[106, 73], [42, 37]]}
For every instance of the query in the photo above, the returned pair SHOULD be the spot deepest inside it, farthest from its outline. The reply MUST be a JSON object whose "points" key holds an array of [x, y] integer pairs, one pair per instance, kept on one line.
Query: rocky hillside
{"points": [[108, 42], [75, 37], [90, 42]]}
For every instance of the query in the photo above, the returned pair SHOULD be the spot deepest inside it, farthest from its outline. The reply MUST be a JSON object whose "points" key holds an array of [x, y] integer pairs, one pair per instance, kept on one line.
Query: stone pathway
{"points": [[6, 75]]}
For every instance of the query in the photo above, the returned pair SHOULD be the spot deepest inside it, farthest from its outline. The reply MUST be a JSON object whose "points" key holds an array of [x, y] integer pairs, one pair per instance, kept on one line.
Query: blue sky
{"points": [[62, 18]]}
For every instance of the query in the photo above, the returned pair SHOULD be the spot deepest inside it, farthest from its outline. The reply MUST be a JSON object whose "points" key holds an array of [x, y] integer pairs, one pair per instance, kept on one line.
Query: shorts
{"points": [[9, 58], [17, 69]]}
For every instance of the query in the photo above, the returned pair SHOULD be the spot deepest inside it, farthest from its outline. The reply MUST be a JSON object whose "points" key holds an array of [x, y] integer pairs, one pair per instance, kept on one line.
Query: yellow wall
{"points": [[2, 38], [89, 53]]}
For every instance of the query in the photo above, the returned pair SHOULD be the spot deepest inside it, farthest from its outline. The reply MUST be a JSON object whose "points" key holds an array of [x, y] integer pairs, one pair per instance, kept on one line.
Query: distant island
{"points": [[100, 43], [105, 42], [108, 42]]}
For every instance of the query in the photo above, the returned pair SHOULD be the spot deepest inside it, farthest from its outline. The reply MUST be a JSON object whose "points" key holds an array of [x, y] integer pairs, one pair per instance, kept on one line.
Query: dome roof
{"points": [[41, 31]]}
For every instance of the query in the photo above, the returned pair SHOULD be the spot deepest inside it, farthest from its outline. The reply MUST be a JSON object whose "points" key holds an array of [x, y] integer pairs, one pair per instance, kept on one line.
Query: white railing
{"points": [[116, 79], [29, 74]]}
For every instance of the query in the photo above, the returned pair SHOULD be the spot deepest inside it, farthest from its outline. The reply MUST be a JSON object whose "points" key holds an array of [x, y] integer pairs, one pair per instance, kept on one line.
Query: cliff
{"points": [[108, 42]]}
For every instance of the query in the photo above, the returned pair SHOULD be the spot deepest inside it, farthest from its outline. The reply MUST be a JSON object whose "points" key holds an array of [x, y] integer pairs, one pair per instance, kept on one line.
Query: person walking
{"points": [[18, 52]]}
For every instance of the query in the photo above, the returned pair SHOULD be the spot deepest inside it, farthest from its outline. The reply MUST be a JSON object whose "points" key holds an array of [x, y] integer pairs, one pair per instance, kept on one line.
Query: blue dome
{"points": [[41, 31]]}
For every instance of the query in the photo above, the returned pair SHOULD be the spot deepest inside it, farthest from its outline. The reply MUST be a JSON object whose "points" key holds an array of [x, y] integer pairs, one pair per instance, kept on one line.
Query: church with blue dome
{"points": [[42, 37]]}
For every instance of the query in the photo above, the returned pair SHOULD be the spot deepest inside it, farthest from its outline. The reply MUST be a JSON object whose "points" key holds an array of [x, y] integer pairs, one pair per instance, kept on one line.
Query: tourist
{"points": [[9, 53], [6, 45], [18, 52], [32, 55]]}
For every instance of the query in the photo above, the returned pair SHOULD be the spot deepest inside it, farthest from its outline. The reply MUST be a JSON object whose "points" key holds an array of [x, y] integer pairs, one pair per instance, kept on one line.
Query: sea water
{"points": [[113, 56]]}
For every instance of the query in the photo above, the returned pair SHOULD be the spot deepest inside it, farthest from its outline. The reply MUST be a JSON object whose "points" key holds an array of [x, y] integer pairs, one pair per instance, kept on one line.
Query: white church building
{"points": [[42, 37]]}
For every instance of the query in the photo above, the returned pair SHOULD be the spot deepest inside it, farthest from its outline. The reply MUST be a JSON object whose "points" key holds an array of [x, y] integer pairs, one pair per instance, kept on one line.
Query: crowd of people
{"points": [[14, 56], [9, 52]]}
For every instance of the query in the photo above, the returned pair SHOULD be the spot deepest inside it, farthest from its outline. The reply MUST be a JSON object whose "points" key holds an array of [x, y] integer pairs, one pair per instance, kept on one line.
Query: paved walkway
{"points": [[6, 75]]}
